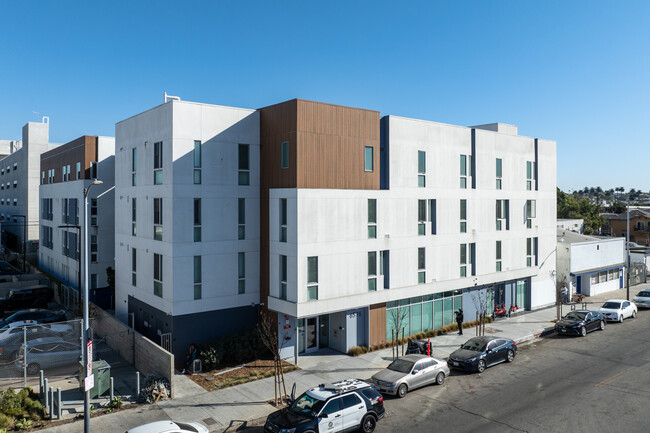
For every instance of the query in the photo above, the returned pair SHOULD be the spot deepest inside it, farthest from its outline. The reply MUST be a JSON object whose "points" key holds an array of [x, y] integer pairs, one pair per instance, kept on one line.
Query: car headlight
{"points": [[287, 430]]}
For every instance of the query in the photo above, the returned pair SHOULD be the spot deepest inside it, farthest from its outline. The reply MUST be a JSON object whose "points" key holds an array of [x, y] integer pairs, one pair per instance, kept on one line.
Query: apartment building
{"points": [[65, 172], [19, 180], [334, 217]]}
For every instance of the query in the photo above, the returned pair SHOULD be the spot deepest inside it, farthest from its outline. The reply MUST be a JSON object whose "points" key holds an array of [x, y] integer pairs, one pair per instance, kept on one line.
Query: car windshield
{"points": [[475, 344], [575, 315], [401, 365], [644, 294], [612, 305], [306, 405]]}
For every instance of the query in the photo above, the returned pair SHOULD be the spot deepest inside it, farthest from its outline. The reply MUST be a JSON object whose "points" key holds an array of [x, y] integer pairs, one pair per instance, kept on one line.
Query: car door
{"points": [[491, 355], [589, 321], [353, 409], [429, 372], [417, 377], [627, 309], [330, 418]]}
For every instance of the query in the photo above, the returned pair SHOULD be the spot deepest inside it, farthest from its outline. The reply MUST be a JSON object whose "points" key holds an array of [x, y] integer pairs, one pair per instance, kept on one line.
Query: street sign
{"points": [[89, 358], [89, 382]]}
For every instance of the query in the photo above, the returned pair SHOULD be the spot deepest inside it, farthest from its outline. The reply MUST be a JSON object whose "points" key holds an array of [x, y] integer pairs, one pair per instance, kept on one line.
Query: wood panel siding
{"points": [[377, 324], [83, 150]]}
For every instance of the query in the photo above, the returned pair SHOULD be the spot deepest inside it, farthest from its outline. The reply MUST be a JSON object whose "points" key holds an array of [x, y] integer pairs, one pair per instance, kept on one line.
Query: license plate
{"points": [[455, 363], [564, 330]]}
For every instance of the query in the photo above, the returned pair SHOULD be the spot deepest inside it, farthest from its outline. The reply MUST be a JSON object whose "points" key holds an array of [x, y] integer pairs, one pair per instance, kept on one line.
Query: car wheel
{"points": [[440, 378], [583, 331], [620, 319], [602, 325], [402, 390], [33, 368], [481, 366], [368, 424], [511, 356], [634, 314]]}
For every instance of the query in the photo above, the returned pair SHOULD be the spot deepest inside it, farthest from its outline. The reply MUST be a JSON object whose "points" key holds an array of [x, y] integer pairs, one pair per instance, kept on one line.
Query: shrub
{"points": [[357, 350], [24, 424], [116, 403], [233, 349], [6, 421]]}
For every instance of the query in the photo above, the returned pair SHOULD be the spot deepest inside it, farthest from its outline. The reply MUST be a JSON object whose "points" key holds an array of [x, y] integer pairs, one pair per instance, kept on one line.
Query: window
{"points": [[93, 212], [46, 209], [531, 168], [384, 267], [197, 277], [283, 220], [78, 170], [16, 166], [242, 273], [531, 252], [197, 220], [93, 248], [463, 216], [93, 170], [133, 216], [465, 169], [284, 154], [463, 260], [312, 278], [42, 179], [15, 184], [15, 202], [158, 163], [422, 217], [502, 214], [531, 212], [241, 219], [422, 168], [368, 160], [432, 216], [68, 173], [134, 267], [372, 218], [197, 162], [498, 256], [499, 173], [421, 266], [134, 165], [640, 226], [93, 281], [158, 275], [283, 277], [46, 239], [64, 174], [158, 219], [244, 165], [372, 271]]}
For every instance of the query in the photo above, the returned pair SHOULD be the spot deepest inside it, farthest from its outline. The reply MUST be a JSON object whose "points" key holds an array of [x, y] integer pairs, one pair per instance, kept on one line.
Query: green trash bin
{"points": [[102, 373]]}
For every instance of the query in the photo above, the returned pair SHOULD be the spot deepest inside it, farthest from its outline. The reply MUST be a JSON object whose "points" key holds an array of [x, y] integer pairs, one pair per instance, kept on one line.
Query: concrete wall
{"points": [[597, 254]]}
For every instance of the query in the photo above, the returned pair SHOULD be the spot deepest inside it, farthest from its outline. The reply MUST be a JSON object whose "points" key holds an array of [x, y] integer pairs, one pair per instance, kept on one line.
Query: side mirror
{"points": [[324, 415], [293, 393], [414, 372], [489, 350]]}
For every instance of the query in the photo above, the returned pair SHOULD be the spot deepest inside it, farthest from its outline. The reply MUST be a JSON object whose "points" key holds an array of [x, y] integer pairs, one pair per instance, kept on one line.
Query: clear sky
{"points": [[572, 71]]}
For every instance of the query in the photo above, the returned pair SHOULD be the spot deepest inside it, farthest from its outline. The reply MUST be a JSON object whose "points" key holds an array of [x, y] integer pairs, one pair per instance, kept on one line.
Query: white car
{"points": [[642, 299], [616, 310], [169, 427]]}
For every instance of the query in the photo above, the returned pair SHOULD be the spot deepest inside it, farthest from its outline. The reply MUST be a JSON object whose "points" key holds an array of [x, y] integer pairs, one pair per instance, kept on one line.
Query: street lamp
{"points": [[24, 239], [78, 258], [84, 349], [627, 233]]}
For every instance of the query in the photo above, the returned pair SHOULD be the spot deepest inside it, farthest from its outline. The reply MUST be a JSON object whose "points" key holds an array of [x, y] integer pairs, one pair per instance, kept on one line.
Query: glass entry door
{"points": [[311, 334], [324, 331]]}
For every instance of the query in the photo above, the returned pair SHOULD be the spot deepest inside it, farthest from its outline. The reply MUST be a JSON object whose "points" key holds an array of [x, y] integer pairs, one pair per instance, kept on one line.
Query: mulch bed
{"points": [[222, 378]]}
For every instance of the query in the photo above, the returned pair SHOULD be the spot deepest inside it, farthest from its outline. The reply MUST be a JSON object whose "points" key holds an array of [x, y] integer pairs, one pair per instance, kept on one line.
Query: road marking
{"points": [[611, 379]]}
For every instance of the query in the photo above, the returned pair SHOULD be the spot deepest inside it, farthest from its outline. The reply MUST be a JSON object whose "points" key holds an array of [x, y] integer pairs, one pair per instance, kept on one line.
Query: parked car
{"points": [[580, 322], [478, 353], [618, 309], [408, 373], [48, 352], [169, 427], [26, 297], [642, 299], [11, 340], [39, 315], [341, 406], [6, 268]]}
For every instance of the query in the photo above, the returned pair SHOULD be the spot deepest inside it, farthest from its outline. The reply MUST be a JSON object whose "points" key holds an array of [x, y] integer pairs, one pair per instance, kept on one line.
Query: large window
{"points": [[158, 275], [284, 154], [312, 278], [158, 219], [197, 220], [422, 313], [368, 160], [283, 277], [502, 213], [197, 278], [463, 216], [422, 263], [422, 217], [244, 165], [372, 218], [499, 173], [158, 163], [372, 271], [197, 162], [241, 289], [422, 168], [283, 220], [241, 218]]}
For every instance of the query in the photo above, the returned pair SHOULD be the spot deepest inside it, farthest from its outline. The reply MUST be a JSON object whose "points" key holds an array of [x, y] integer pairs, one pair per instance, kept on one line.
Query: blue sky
{"points": [[572, 71]]}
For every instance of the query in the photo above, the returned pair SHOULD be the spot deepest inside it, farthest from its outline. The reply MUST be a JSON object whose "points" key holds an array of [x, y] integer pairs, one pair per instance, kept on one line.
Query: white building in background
{"points": [[590, 265], [19, 180], [187, 194], [574, 225], [65, 172]]}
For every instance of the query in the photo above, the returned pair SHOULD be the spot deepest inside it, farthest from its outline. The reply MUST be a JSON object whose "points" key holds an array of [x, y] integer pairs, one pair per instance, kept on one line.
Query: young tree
{"points": [[275, 340], [481, 299], [397, 318]]}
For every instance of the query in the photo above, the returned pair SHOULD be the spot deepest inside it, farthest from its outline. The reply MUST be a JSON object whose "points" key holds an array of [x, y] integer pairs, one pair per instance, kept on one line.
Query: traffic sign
{"points": [[89, 382], [89, 358]]}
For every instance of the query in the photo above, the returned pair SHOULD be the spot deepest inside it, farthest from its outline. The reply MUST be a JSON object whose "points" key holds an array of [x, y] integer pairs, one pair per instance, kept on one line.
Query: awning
{"points": [[592, 271]]}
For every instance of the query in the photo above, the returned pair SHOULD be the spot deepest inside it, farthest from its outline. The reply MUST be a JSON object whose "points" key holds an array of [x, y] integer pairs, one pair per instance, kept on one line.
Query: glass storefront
{"points": [[422, 313]]}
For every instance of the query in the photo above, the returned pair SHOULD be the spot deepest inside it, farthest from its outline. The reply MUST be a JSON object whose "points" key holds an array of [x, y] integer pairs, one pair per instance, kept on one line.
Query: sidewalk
{"points": [[227, 409]]}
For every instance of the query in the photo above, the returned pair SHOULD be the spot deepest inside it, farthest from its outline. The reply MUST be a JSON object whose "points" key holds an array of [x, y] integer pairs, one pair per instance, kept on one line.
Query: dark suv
{"points": [[26, 297], [339, 407]]}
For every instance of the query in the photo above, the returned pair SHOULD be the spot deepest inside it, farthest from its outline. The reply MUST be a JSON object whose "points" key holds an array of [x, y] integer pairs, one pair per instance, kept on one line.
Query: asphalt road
{"points": [[557, 384]]}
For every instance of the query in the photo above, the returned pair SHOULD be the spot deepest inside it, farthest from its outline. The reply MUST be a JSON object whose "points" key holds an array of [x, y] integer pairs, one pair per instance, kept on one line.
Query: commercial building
{"points": [[65, 172], [334, 217]]}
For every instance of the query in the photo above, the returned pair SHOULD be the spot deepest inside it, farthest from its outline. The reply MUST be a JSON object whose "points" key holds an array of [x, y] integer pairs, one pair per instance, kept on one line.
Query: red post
{"points": [[428, 347]]}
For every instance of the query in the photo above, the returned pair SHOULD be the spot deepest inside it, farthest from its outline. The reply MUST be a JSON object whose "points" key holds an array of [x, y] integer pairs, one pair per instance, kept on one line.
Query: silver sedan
{"points": [[410, 372]]}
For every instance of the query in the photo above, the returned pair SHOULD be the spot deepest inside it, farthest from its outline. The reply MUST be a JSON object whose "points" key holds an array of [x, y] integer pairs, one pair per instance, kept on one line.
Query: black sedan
{"points": [[580, 322], [478, 353]]}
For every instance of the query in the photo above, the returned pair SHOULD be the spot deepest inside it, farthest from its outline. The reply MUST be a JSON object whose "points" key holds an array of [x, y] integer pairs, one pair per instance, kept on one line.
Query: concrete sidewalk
{"points": [[227, 409]]}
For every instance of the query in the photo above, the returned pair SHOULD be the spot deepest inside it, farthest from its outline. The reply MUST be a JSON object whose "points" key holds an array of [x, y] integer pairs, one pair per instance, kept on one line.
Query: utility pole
{"points": [[628, 249]]}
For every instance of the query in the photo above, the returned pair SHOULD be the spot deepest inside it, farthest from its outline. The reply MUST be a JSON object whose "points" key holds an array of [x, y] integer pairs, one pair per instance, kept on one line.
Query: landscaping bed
{"points": [[236, 375]]}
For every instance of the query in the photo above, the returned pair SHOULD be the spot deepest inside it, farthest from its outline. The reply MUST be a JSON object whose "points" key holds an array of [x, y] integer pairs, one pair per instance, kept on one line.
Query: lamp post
{"points": [[84, 348], [627, 233], [78, 258], [24, 239]]}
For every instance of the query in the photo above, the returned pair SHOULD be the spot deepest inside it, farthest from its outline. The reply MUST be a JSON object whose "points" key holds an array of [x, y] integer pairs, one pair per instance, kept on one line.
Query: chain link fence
{"points": [[26, 350]]}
